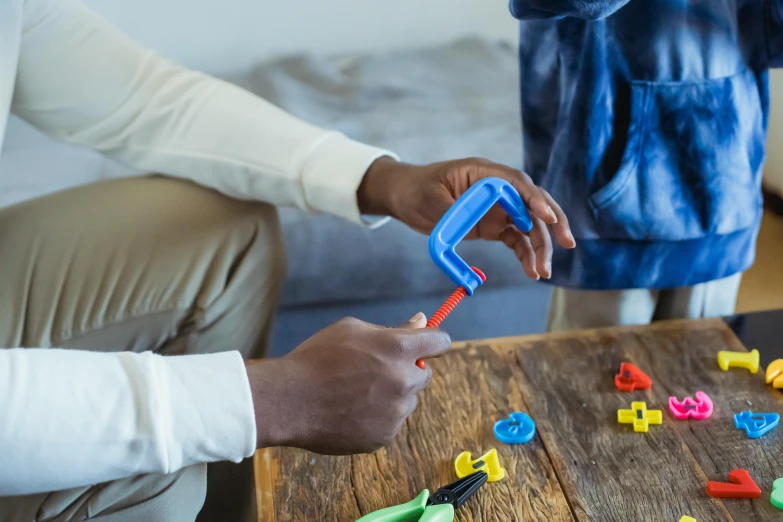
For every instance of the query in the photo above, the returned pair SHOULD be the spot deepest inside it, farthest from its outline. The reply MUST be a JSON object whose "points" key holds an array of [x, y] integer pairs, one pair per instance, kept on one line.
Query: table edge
{"points": [[674, 324]]}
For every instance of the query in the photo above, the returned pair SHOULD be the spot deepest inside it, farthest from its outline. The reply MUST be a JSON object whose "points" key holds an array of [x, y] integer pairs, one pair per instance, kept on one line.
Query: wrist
{"points": [[264, 377], [378, 190]]}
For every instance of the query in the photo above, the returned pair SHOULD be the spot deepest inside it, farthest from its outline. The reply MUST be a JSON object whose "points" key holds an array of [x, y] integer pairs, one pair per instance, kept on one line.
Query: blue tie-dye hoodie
{"points": [[646, 120]]}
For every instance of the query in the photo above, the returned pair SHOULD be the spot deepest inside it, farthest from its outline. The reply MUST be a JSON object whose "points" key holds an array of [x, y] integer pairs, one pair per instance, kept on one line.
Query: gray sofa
{"points": [[426, 105]]}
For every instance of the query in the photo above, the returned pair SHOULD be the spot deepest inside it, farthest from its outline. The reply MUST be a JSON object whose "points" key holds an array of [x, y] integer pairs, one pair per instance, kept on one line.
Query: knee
{"points": [[257, 262], [219, 263], [241, 287], [266, 254]]}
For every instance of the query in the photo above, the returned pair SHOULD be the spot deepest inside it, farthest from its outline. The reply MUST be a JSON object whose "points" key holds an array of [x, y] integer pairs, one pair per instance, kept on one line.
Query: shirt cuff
{"points": [[212, 416], [332, 173]]}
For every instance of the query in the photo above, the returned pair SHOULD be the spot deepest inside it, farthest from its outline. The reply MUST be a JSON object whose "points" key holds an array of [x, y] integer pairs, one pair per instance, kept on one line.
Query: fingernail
{"points": [[571, 237], [548, 270], [551, 214], [416, 318]]}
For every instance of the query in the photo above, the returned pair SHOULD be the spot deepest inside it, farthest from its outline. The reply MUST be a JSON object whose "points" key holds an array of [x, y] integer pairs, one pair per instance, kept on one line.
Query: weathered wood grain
{"points": [[682, 364], [609, 472], [582, 465], [471, 389], [294, 485]]}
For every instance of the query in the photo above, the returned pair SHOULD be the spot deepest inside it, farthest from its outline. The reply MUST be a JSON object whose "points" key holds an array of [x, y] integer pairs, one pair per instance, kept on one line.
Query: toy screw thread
{"points": [[448, 306]]}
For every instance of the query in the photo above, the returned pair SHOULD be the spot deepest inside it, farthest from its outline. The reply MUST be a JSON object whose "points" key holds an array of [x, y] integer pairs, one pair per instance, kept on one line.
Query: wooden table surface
{"points": [[582, 465]]}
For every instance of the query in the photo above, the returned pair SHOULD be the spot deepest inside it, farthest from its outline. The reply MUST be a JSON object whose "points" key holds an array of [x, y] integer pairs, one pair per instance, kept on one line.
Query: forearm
{"points": [[587, 9], [82, 81], [71, 418]]}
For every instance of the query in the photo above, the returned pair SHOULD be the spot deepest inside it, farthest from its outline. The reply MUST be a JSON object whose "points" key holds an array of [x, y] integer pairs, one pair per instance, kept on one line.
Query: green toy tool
{"points": [[437, 508]]}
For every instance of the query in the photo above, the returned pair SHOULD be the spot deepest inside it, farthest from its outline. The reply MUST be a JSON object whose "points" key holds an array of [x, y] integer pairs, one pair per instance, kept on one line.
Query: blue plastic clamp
{"points": [[465, 214]]}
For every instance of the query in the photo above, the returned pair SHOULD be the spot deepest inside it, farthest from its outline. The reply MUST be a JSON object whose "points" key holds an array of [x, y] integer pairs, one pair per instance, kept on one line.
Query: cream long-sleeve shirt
{"points": [[70, 418]]}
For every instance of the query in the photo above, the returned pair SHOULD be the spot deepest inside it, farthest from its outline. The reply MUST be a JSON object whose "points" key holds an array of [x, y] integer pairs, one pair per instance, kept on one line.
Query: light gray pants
{"points": [[572, 309], [141, 264]]}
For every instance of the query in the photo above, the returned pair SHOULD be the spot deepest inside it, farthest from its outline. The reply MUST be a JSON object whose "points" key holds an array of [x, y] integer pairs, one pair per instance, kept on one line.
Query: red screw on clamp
{"points": [[448, 306]]}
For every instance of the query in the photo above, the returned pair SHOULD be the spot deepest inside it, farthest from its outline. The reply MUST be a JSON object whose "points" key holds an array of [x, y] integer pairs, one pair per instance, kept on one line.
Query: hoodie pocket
{"points": [[692, 162]]}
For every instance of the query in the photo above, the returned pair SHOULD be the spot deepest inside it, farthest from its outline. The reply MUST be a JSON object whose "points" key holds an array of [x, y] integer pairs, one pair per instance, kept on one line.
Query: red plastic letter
{"points": [[740, 485], [631, 378]]}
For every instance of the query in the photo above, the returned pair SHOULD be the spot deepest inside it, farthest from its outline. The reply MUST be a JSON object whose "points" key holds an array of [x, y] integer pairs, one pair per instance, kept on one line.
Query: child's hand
{"points": [[420, 195]]}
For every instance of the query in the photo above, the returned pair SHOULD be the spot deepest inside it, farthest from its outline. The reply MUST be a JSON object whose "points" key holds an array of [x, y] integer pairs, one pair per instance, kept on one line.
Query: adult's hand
{"points": [[420, 195], [348, 389]]}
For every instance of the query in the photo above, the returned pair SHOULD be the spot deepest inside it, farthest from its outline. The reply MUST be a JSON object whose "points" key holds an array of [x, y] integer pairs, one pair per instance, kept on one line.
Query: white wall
{"points": [[228, 36]]}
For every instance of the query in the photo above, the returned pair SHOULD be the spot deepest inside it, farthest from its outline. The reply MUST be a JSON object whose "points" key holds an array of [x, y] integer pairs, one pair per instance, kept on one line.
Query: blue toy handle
{"points": [[463, 216]]}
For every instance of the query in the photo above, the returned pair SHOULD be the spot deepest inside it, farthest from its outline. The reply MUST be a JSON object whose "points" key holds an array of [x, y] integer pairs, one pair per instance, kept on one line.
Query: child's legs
{"points": [[572, 309], [714, 299]]}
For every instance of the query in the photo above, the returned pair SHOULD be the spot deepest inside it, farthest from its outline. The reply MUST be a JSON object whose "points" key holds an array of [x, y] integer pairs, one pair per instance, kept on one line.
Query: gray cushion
{"points": [[331, 261]]}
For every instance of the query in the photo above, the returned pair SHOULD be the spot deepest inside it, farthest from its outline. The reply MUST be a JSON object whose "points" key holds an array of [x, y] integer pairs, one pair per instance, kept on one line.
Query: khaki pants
{"points": [[140, 264], [573, 309]]}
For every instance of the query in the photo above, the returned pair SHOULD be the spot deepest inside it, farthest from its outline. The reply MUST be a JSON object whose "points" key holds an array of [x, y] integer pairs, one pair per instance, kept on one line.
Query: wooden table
{"points": [[582, 465]]}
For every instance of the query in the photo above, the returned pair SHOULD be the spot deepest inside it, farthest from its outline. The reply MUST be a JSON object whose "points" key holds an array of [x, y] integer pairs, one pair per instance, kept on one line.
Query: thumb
{"points": [[416, 322], [431, 343]]}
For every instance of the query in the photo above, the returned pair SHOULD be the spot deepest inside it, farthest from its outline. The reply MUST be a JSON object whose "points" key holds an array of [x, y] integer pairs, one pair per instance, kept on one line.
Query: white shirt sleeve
{"points": [[70, 418], [80, 80]]}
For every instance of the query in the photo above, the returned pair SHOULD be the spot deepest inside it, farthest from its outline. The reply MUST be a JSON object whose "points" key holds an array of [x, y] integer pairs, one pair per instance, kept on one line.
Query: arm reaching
{"points": [[82, 81]]}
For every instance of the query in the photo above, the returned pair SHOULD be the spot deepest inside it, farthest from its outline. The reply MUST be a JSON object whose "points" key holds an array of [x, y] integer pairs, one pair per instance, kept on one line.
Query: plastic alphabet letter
{"points": [[698, 409], [748, 360], [519, 428], [464, 465], [640, 417], [777, 494], [740, 485], [631, 378], [756, 424]]}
